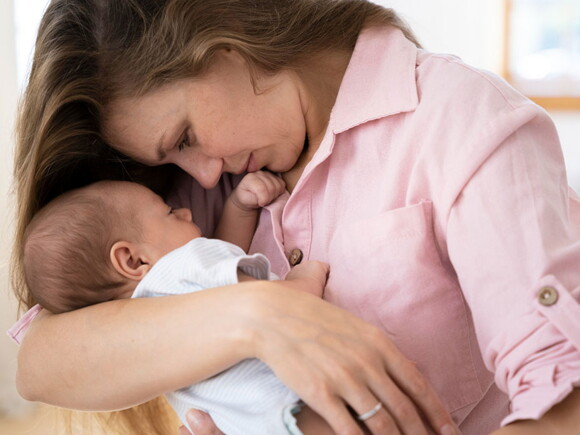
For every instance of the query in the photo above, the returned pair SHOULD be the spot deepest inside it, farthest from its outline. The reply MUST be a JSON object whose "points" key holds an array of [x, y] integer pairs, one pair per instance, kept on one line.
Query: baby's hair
{"points": [[67, 244]]}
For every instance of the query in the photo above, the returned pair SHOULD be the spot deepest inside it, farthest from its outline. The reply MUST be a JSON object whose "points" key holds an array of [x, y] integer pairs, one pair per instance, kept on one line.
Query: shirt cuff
{"points": [[538, 391], [551, 368]]}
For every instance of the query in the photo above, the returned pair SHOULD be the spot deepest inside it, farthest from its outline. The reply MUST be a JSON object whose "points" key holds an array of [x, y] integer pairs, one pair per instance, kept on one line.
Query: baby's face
{"points": [[163, 229]]}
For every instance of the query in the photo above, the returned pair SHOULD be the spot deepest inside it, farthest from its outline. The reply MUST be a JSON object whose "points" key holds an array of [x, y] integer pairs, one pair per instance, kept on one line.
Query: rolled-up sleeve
{"points": [[513, 237]]}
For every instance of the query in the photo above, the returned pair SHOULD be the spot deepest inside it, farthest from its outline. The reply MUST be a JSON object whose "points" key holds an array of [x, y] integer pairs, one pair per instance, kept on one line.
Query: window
{"points": [[542, 51]]}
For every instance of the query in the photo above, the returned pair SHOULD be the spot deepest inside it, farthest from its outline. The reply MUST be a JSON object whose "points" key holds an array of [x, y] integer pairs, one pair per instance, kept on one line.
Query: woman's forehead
{"points": [[139, 126]]}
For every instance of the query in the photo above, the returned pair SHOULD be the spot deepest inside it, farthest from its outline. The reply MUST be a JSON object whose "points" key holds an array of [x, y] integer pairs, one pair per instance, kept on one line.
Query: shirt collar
{"points": [[379, 80]]}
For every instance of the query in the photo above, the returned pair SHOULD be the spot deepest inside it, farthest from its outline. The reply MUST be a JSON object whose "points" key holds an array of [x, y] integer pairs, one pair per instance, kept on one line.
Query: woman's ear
{"points": [[129, 261]]}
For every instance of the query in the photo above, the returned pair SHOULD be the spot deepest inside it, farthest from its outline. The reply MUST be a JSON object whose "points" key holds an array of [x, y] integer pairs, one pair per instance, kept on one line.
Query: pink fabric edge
{"points": [[18, 330]]}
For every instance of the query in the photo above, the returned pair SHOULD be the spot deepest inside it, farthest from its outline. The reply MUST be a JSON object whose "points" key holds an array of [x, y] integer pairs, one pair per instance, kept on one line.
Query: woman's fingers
{"points": [[383, 408], [404, 392], [414, 386], [377, 419], [396, 407], [334, 411], [201, 424], [334, 360]]}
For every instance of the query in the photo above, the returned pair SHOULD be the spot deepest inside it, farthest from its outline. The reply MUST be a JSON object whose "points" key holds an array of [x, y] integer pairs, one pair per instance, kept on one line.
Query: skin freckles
{"points": [[209, 125]]}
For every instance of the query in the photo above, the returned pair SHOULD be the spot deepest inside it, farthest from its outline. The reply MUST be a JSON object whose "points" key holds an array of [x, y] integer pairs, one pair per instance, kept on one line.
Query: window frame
{"points": [[555, 102]]}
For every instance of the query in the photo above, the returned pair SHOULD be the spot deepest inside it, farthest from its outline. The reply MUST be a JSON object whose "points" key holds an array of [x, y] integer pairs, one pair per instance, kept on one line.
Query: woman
{"points": [[418, 178]]}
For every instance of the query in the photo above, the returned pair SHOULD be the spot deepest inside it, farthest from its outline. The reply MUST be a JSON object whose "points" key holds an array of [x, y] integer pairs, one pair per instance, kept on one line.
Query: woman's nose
{"points": [[206, 170], [183, 213]]}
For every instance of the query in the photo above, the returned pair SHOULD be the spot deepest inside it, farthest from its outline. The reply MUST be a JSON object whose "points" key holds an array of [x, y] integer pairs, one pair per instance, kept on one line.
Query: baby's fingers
{"points": [[268, 188], [201, 424], [277, 182]]}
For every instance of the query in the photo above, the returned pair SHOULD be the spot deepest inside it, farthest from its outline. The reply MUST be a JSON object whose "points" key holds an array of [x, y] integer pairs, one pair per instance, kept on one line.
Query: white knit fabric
{"points": [[248, 398]]}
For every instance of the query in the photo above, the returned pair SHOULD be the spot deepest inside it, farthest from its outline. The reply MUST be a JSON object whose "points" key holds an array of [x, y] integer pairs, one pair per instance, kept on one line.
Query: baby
{"points": [[113, 240]]}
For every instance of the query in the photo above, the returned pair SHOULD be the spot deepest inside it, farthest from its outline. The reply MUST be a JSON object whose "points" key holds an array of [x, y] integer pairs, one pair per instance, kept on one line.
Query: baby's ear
{"points": [[128, 260]]}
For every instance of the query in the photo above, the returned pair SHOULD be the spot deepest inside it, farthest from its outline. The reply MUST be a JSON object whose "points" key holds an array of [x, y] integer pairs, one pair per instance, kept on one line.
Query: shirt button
{"points": [[548, 296], [295, 257]]}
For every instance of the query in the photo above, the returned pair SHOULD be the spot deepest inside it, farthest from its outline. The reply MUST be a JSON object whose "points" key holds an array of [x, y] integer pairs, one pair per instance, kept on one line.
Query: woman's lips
{"points": [[252, 165]]}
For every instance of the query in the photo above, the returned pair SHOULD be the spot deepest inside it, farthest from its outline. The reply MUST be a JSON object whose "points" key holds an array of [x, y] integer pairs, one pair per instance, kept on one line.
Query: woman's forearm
{"points": [[120, 353], [562, 419]]}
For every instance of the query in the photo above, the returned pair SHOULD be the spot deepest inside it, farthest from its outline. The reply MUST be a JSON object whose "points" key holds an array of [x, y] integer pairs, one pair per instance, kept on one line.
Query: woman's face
{"points": [[214, 124]]}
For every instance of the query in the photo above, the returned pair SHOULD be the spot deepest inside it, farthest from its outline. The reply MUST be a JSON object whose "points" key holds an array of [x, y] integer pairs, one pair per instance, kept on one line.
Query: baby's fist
{"points": [[313, 272], [257, 189]]}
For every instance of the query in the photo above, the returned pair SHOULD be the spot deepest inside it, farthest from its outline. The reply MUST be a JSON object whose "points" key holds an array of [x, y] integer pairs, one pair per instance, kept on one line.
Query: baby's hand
{"points": [[257, 189], [314, 273]]}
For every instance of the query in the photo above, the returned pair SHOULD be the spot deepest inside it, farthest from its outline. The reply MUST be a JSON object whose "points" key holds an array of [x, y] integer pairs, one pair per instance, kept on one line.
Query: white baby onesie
{"points": [[248, 398]]}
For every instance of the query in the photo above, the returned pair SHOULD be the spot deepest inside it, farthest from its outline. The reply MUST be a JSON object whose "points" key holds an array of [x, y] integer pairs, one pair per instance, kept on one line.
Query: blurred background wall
{"points": [[474, 31], [9, 400], [471, 29]]}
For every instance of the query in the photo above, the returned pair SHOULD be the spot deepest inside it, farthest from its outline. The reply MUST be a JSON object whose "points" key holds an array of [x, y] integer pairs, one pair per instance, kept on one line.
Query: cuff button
{"points": [[548, 296]]}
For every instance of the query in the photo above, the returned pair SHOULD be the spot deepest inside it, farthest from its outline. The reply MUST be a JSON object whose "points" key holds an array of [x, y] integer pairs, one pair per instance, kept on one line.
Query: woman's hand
{"points": [[338, 363]]}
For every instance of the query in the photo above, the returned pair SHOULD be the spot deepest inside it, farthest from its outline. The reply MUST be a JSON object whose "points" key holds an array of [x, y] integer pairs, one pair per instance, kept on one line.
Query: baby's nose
{"points": [[183, 214]]}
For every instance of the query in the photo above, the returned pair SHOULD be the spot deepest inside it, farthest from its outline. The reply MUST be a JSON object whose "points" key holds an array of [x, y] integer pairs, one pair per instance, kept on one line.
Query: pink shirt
{"points": [[439, 197]]}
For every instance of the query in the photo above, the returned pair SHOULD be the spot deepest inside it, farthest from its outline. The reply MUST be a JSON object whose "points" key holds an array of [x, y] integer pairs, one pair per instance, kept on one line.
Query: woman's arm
{"points": [[121, 353], [512, 237], [117, 354], [562, 419]]}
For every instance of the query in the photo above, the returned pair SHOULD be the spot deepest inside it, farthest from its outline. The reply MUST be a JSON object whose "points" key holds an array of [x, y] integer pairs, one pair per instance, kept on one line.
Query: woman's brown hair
{"points": [[90, 52]]}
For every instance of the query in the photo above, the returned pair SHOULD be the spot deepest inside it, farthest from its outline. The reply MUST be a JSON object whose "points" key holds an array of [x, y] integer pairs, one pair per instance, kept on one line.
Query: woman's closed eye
{"points": [[184, 142]]}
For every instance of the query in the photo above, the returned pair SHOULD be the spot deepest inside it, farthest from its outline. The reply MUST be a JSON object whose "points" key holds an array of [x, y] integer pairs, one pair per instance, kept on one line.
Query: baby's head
{"points": [[96, 243]]}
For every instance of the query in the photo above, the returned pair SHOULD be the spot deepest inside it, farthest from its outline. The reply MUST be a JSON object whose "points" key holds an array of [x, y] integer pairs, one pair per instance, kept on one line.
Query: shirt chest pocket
{"points": [[387, 270]]}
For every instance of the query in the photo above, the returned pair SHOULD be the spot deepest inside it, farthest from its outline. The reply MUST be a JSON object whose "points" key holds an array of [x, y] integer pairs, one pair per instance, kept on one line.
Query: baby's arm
{"points": [[240, 216]]}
